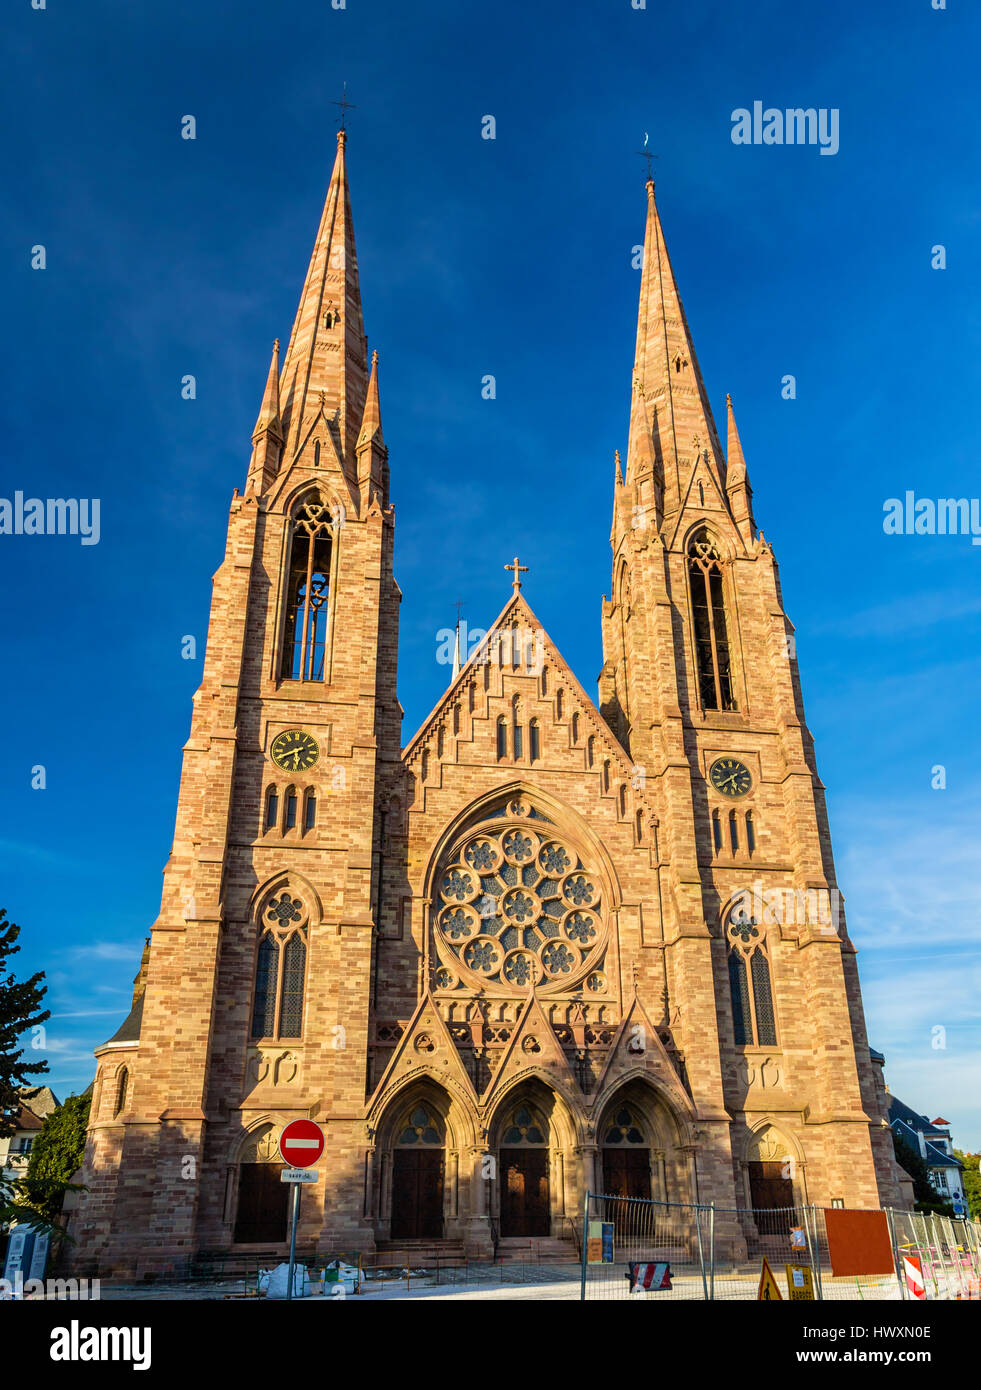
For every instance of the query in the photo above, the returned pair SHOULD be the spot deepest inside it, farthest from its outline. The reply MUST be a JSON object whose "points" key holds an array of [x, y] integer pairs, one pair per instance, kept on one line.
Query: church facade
{"points": [[553, 944]]}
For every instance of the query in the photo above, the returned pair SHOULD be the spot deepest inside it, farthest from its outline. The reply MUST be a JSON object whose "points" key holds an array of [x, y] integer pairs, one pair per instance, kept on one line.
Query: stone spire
{"points": [[325, 369], [739, 492], [371, 450], [671, 421], [371, 422], [267, 437]]}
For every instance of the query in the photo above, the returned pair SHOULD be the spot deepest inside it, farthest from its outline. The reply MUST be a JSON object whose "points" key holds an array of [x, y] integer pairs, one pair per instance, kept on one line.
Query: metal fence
{"points": [[671, 1250]]}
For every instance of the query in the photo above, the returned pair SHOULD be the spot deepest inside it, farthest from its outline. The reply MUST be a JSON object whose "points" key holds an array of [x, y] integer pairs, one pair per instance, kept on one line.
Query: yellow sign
{"points": [[768, 1285], [800, 1283]]}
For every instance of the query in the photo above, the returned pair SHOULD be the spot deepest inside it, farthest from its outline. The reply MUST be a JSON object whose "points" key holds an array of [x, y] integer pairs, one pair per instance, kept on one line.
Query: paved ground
{"points": [[515, 1282]]}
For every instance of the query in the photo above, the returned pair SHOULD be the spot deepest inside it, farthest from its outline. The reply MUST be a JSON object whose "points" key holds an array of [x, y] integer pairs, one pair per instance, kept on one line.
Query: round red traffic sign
{"points": [[301, 1143]]}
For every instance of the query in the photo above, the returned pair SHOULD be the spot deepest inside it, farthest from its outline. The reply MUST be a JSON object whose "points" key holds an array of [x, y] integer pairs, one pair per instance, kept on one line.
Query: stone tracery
{"points": [[516, 904]]}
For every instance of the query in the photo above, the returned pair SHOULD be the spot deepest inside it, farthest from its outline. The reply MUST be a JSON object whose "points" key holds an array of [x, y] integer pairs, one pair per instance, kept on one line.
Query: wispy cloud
{"points": [[909, 880], [912, 611], [107, 950]]}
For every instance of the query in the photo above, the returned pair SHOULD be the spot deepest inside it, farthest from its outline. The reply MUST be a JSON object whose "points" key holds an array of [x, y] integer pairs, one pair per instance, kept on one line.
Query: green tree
{"points": [[20, 1009], [972, 1181], [56, 1154]]}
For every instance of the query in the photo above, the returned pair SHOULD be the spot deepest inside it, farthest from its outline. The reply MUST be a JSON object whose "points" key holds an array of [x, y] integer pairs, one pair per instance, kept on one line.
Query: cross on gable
{"points": [[518, 571]]}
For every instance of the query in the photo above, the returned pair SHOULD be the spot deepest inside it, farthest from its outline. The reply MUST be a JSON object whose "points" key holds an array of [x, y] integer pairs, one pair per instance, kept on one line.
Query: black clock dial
{"points": [[294, 751], [730, 777]]}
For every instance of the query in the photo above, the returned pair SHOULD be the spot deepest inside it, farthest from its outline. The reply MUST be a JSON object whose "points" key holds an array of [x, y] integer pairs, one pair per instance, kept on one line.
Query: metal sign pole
{"points": [[296, 1212]]}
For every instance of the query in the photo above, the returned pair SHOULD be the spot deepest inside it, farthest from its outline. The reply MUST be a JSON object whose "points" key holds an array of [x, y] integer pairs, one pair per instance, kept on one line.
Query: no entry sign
{"points": [[301, 1143]]}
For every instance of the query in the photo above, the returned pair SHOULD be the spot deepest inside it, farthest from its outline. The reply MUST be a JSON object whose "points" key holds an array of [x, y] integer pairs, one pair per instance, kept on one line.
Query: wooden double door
{"points": [[769, 1185], [417, 1194], [261, 1216], [627, 1172], [524, 1192]]}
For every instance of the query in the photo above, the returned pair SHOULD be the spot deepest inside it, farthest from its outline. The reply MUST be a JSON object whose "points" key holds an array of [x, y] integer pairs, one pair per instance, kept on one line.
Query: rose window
{"points": [[516, 903]]}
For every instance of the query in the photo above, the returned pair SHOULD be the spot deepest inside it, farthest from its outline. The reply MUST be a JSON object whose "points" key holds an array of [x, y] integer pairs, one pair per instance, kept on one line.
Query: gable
{"points": [[516, 669]]}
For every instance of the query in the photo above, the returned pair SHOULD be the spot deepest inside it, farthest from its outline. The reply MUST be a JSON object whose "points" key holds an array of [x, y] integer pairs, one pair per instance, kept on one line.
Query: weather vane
{"points": [[645, 153], [345, 106]]}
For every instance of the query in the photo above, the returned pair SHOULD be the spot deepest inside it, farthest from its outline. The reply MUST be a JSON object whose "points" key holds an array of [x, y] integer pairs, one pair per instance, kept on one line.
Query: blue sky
{"points": [[510, 257]]}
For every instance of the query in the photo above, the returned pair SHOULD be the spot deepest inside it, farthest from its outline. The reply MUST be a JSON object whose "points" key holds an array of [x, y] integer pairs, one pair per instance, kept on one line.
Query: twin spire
{"points": [[324, 377], [325, 380], [671, 422]]}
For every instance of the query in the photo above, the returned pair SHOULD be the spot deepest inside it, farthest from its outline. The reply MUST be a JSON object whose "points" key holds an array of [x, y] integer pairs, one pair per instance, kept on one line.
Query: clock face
{"points": [[294, 751], [730, 777]]}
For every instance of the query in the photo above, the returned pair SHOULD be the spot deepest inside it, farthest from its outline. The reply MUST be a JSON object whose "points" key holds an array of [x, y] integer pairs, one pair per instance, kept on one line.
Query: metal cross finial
{"points": [[518, 571], [458, 605], [645, 153], [345, 106]]}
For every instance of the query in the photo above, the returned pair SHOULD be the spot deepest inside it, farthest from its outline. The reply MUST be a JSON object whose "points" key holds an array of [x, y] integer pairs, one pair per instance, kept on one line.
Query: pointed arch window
{"points": [[606, 775], [307, 593], [590, 750], [734, 832], [266, 974], [289, 814], [272, 808], [639, 826], [558, 704], [753, 1017], [716, 832], [750, 833], [294, 969], [575, 728], [534, 741], [122, 1088], [709, 623], [502, 738], [309, 811], [280, 973]]}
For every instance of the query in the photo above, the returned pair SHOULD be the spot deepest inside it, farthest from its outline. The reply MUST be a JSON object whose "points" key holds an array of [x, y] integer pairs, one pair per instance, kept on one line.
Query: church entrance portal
{"points": [[525, 1199], [769, 1185], [627, 1172], [262, 1200], [524, 1192], [417, 1194], [417, 1176]]}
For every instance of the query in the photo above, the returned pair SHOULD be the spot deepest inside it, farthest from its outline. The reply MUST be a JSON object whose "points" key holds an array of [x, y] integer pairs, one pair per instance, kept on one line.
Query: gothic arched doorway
{"points": [[417, 1175], [525, 1201], [626, 1154], [261, 1211]]}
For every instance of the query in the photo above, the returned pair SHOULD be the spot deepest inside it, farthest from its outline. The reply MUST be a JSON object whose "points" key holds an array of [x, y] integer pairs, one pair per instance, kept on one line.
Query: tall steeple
{"points": [[325, 368], [669, 406]]}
